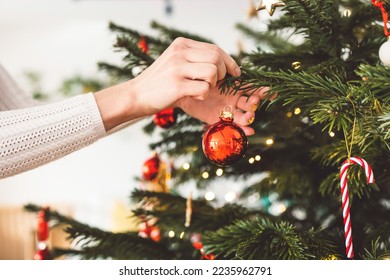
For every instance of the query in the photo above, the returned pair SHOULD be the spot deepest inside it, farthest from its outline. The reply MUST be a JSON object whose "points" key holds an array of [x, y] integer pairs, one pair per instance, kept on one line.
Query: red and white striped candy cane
{"points": [[345, 198]]}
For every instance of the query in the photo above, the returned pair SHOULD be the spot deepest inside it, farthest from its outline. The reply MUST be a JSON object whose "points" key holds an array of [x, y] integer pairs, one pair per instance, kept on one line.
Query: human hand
{"points": [[208, 110], [187, 68], [186, 75]]}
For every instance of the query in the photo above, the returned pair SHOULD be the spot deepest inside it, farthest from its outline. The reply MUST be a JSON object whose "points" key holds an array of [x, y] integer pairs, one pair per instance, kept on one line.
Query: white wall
{"points": [[61, 38]]}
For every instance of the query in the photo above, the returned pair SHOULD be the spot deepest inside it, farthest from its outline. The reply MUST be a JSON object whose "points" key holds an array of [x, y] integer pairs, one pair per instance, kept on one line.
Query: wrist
{"points": [[118, 104]]}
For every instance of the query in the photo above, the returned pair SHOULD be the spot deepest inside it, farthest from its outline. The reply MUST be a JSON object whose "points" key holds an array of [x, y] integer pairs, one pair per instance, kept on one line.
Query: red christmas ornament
{"points": [[152, 232], [151, 168], [199, 246], [166, 118], [43, 254], [143, 45], [225, 143], [42, 227]]}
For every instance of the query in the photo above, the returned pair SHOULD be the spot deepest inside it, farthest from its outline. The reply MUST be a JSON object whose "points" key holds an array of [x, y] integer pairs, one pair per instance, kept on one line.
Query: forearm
{"points": [[118, 105], [35, 136]]}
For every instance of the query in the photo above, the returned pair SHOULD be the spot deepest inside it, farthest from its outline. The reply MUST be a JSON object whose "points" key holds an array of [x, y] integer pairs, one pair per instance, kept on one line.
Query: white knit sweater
{"points": [[33, 134]]}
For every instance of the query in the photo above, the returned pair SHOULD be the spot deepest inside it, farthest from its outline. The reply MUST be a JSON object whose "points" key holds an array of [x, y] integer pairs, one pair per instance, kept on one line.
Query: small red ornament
{"points": [[143, 45], [42, 254], [42, 227], [197, 244], [148, 231], [225, 143], [166, 118], [151, 168]]}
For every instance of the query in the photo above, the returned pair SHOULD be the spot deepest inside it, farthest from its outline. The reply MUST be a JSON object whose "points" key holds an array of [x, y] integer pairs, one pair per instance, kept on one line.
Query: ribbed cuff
{"points": [[97, 122]]}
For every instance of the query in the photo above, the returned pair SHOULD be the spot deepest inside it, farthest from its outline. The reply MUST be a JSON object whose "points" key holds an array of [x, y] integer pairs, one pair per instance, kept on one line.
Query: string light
{"points": [[205, 175], [269, 141], [251, 160], [297, 111], [332, 134], [186, 166], [230, 196], [171, 234], [219, 172], [289, 114], [277, 208], [182, 235], [347, 13], [209, 196], [258, 158]]}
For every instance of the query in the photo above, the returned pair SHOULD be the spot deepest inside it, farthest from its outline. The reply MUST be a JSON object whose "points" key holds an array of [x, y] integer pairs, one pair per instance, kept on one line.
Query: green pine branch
{"points": [[264, 239], [170, 210], [95, 243]]}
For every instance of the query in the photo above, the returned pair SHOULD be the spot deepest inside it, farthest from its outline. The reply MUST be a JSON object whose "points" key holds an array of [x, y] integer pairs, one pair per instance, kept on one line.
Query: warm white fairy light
{"points": [[251, 160], [182, 235], [186, 166], [219, 172], [282, 208], [347, 13], [258, 158], [277, 208], [297, 111], [332, 134], [230, 196], [209, 196], [171, 234], [205, 175], [269, 141], [289, 115]]}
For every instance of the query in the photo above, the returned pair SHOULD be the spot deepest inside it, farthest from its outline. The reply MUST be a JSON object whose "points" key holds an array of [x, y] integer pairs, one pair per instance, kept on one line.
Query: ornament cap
{"points": [[227, 113]]}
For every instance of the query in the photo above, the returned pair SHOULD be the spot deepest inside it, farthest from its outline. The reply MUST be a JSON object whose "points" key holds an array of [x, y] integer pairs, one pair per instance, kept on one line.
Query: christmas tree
{"points": [[332, 111]]}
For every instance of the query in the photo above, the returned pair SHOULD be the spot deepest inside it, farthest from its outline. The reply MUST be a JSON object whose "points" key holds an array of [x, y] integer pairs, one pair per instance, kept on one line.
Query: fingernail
{"points": [[250, 121], [255, 106], [237, 71]]}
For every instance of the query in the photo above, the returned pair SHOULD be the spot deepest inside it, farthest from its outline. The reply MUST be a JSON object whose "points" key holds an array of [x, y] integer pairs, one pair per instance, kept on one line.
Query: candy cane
{"points": [[345, 198]]}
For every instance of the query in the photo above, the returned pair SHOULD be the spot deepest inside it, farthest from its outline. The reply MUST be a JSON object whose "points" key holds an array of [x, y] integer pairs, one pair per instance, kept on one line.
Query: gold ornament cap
{"points": [[227, 113]]}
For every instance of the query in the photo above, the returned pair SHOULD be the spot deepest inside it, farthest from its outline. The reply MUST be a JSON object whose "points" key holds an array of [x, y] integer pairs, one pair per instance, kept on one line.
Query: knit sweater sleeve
{"points": [[33, 136]]}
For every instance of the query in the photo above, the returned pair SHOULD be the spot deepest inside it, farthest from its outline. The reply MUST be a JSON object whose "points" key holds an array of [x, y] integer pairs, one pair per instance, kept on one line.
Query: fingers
{"points": [[207, 56], [231, 66], [202, 72], [244, 118], [196, 89], [248, 103]]}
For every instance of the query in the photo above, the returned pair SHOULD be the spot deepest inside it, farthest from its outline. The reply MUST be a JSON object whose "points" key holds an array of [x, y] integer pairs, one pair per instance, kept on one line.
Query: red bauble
{"points": [[151, 168], [166, 118], [197, 245], [42, 254], [208, 257], [143, 45], [152, 232], [225, 143], [42, 227]]}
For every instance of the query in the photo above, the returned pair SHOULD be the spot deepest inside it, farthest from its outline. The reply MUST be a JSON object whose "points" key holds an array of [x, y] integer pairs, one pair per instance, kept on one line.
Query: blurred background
{"points": [[44, 43]]}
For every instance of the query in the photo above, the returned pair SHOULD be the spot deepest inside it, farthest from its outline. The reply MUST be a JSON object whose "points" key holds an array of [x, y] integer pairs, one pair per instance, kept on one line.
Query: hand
{"points": [[208, 110], [187, 68], [186, 75]]}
